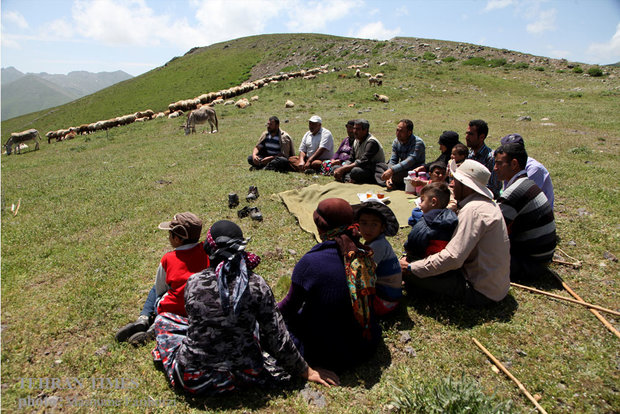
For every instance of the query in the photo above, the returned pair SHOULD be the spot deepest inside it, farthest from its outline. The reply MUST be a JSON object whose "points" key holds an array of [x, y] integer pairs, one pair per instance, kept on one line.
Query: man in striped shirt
{"points": [[528, 215], [274, 148]]}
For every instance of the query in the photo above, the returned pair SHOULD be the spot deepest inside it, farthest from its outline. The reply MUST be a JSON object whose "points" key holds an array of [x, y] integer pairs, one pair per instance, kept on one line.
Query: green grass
{"points": [[80, 256]]}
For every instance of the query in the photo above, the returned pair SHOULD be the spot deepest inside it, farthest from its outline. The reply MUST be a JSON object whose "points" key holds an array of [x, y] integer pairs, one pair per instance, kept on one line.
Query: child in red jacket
{"points": [[167, 295]]}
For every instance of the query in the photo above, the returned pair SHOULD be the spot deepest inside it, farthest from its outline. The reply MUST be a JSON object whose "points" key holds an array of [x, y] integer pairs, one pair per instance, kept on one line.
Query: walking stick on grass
{"points": [[512, 377], [594, 311], [553, 295]]}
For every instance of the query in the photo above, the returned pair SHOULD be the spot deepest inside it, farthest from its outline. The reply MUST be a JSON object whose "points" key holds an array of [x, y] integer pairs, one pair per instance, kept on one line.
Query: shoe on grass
{"points": [[252, 193], [233, 200], [244, 212], [255, 214], [141, 338], [140, 325]]}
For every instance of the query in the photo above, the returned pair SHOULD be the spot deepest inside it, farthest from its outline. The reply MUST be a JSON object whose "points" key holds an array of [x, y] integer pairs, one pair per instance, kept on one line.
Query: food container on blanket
{"points": [[409, 188], [423, 176]]}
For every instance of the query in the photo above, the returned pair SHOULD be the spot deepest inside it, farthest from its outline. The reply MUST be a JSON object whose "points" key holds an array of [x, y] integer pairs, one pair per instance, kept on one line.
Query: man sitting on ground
{"points": [[408, 152], [317, 145], [474, 267], [535, 171], [274, 148], [528, 215], [367, 152], [475, 136]]}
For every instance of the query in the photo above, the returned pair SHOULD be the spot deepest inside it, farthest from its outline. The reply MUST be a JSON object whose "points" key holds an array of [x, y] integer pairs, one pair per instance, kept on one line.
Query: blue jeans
{"points": [[149, 305]]}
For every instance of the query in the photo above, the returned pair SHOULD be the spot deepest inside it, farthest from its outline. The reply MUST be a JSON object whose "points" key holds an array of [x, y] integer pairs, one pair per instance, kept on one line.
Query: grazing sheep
{"points": [[358, 73], [160, 115], [229, 102], [310, 77], [375, 81], [289, 104], [242, 103], [175, 114], [382, 98], [379, 75], [254, 98]]}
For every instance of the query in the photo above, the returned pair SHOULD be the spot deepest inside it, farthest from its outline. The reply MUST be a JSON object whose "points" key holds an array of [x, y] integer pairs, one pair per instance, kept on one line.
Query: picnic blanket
{"points": [[302, 203]]}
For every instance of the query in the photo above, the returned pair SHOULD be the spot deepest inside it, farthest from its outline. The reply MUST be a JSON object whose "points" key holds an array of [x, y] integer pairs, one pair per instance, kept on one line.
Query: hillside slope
{"points": [[229, 63]]}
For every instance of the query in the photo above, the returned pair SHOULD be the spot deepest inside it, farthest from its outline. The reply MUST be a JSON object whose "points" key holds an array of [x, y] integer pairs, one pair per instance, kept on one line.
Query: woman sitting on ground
{"points": [[232, 318], [447, 141], [328, 308]]}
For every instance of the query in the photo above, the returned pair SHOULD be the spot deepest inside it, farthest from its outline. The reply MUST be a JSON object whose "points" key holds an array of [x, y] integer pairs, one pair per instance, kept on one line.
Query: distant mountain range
{"points": [[23, 93]]}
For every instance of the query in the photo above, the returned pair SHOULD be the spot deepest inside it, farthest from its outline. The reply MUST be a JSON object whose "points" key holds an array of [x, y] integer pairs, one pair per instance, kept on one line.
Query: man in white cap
{"points": [[475, 265], [316, 146]]}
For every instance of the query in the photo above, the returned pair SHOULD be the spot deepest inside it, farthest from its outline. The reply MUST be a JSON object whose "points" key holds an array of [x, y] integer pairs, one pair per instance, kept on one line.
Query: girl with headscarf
{"points": [[232, 318], [328, 308]]}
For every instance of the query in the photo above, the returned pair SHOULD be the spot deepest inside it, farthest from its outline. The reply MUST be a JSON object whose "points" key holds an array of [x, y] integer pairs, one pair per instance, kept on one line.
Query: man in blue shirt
{"points": [[408, 152]]}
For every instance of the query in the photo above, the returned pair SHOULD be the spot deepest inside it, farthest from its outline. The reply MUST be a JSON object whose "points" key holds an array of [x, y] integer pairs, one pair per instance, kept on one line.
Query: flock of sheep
{"points": [[178, 108]]}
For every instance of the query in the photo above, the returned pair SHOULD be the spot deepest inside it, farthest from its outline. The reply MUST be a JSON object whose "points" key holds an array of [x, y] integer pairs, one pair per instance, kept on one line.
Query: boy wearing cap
{"points": [[175, 267], [474, 267], [316, 146], [376, 220]]}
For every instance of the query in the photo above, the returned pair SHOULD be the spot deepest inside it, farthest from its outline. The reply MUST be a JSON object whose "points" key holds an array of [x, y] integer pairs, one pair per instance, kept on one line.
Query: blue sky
{"points": [[59, 36]]}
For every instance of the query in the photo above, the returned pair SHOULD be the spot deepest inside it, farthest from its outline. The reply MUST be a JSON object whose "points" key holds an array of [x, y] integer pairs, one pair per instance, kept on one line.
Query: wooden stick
{"points": [[512, 377], [19, 202], [576, 265], [595, 312], [553, 295]]}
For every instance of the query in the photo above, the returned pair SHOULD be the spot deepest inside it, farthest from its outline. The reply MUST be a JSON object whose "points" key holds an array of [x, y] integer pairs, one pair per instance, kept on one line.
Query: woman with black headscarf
{"points": [[232, 318], [328, 308], [447, 141]]}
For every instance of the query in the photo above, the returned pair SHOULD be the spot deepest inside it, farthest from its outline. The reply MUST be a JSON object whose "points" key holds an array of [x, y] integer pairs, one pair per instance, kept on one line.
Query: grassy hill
{"points": [[80, 256]]}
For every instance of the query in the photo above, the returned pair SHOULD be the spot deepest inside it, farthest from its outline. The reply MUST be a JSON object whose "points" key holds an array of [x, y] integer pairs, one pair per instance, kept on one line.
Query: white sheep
{"points": [[382, 98]]}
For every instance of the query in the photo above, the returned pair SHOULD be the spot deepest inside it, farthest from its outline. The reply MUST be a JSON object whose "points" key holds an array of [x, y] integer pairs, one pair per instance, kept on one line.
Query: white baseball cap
{"points": [[315, 118]]}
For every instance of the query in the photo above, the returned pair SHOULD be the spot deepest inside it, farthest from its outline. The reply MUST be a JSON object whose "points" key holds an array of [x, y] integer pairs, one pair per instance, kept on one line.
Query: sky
{"points": [[60, 36]]}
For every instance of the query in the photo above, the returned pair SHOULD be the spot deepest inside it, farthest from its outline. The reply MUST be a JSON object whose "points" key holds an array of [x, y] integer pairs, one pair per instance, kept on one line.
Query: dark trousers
{"points": [[524, 269], [452, 284], [362, 176]]}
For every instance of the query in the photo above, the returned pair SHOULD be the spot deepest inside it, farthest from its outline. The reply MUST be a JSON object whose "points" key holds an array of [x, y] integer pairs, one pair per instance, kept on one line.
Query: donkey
{"points": [[200, 116]]}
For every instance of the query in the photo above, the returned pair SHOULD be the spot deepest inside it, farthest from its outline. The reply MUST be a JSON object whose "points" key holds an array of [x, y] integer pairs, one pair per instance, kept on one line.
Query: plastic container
{"points": [[409, 188], [424, 176]]}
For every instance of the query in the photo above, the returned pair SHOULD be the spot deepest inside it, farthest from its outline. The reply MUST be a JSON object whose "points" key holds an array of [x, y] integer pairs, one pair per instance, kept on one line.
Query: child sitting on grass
{"points": [[376, 220], [434, 230], [167, 295]]}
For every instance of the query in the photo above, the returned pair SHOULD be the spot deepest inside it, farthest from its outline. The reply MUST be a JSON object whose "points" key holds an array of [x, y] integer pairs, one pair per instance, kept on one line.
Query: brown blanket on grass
{"points": [[302, 203]]}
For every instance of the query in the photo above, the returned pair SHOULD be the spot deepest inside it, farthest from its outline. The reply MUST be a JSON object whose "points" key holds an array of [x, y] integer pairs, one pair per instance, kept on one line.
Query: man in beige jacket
{"points": [[475, 265]]}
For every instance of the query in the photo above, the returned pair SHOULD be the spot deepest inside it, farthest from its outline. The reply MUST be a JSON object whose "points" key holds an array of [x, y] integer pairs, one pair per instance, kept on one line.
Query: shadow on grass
{"points": [[252, 397], [449, 312], [368, 373]]}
